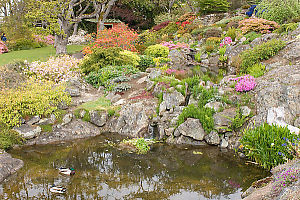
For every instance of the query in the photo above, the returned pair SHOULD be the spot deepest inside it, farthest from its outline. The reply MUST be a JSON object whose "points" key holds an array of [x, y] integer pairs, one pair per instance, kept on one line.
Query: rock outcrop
{"points": [[8, 165]]}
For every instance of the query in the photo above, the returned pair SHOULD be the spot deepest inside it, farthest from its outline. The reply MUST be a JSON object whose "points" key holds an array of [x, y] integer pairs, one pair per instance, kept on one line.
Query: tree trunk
{"points": [[61, 42], [75, 32], [104, 13]]}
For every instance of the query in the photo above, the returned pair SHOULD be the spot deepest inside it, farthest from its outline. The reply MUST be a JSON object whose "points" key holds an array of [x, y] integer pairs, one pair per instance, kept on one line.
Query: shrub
{"points": [[213, 6], [260, 52], [32, 98], [3, 48], [145, 62], [198, 56], [244, 83], [251, 36], [160, 26], [47, 40], [157, 51], [278, 10], [285, 28], [23, 44], [269, 145], [258, 25], [171, 45], [212, 32], [105, 75], [55, 69], [168, 30], [8, 137], [231, 33], [163, 17], [205, 115], [119, 36], [257, 70], [103, 57]]}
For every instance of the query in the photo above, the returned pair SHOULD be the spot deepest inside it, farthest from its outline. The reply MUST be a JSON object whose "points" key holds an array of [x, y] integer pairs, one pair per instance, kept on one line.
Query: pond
{"points": [[103, 171]]}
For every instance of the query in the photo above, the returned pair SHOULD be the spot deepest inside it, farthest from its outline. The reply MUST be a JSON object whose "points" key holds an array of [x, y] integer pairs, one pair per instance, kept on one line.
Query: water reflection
{"points": [[104, 172]]}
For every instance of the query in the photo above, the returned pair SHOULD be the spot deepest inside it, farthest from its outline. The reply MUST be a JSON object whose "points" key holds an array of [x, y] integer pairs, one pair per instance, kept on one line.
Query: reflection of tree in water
{"points": [[104, 172]]}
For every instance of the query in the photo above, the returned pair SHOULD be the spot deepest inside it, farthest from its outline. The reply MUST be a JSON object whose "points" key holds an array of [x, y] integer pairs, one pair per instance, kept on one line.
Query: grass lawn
{"points": [[34, 54]]}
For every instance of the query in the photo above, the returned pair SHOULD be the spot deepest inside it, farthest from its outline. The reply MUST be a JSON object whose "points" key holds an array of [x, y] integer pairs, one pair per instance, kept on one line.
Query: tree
{"points": [[61, 16]]}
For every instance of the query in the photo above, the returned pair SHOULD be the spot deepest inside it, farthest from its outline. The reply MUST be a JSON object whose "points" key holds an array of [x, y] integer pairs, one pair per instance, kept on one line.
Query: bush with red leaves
{"points": [[160, 26]]}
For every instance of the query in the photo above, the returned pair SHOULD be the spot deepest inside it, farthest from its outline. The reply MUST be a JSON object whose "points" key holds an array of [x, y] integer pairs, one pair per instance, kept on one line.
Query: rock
{"points": [[191, 128], [236, 50], [276, 116], [212, 138], [134, 119], [297, 122], [243, 39], [142, 80], [74, 92], [159, 88], [8, 165], [224, 143], [47, 121], [216, 106], [245, 111], [82, 113], [193, 101], [291, 52], [169, 131], [98, 118], [120, 102], [205, 61], [150, 85], [178, 58], [28, 131], [184, 140], [67, 119], [204, 56], [33, 120], [154, 74], [263, 38], [222, 119], [113, 97], [278, 88], [170, 101]]}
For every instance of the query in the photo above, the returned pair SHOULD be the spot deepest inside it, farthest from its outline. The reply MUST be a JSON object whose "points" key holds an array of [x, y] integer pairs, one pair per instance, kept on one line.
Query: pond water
{"points": [[105, 172]]}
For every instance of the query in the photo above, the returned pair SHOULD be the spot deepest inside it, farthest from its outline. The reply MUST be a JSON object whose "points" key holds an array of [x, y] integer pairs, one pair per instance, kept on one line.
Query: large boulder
{"points": [[170, 101], [191, 128], [28, 131], [183, 140], [8, 165], [279, 87], [134, 119], [98, 118], [212, 138]]}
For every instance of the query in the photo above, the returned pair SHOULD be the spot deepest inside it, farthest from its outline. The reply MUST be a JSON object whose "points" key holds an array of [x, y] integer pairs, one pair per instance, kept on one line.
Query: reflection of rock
{"points": [[8, 165], [191, 128], [28, 131]]}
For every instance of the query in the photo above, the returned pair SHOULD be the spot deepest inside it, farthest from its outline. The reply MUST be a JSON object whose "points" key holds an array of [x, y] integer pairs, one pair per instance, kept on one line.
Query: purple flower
{"points": [[284, 145], [279, 153]]}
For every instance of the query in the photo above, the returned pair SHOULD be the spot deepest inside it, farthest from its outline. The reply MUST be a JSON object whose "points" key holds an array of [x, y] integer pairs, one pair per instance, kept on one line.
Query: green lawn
{"points": [[34, 54]]}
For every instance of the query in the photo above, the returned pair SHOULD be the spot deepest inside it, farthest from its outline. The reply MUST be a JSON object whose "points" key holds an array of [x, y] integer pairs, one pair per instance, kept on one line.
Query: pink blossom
{"points": [[244, 83]]}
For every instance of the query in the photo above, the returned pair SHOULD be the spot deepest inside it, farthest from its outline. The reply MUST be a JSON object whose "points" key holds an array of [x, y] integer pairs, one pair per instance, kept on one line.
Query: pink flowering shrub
{"points": [[257, 25], [3, 48], [55, 69], [49, 39], [226, 41], [171, 45], [244, 83]]}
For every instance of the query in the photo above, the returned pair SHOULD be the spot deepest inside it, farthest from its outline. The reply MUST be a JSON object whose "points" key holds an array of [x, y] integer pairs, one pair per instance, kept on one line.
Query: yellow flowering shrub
{"points": [[32, 98]]}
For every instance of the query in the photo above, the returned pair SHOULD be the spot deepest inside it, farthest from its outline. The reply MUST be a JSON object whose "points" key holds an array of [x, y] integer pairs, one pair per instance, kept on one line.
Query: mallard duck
{"points": [[67, 171], [57, 189]]}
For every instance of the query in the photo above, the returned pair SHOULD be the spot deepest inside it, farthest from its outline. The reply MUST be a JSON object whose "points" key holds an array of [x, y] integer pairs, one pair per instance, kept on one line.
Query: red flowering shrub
{"points": [[257, 25], [118, 36], [160, 26], [3, 48]]}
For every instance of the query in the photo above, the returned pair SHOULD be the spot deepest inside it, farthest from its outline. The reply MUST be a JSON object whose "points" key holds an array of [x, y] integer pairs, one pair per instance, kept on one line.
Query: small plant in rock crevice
{"points": [[141, 145]]}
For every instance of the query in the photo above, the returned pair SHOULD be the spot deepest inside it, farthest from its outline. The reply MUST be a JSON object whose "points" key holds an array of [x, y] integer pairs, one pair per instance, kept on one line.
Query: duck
{"points": [[57, 189], [67, 171]]}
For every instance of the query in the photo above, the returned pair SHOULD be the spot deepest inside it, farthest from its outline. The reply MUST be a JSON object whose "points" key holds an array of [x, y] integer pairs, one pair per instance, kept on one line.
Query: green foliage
{"points": [[23, 44], [213, 6], [105, 75], [198, 56], [145, 62], [203, 95], [251, 36], [8, 137], [157, 51], [31, 98], [278, 10], [111, 56], [46, 128], [261, 52], [141, 145], [231, 33], [205, 115], [100, 104], [122, 87], [257, 70], [285, 28], [268, 145], [238, 121]]}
